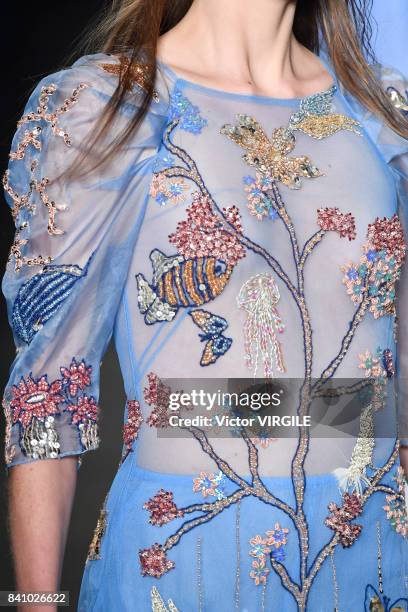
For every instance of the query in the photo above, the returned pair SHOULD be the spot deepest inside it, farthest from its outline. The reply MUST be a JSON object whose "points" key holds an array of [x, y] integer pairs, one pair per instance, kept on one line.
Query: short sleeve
{"points": [[75, 235]]}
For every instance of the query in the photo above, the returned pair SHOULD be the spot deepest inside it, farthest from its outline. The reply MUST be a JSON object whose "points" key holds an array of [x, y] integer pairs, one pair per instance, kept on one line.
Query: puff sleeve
{"points": [[70, 257]]}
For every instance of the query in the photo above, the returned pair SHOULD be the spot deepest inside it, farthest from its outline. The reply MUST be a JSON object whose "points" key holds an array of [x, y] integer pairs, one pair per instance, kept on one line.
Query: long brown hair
{"points": [[343, 26]]}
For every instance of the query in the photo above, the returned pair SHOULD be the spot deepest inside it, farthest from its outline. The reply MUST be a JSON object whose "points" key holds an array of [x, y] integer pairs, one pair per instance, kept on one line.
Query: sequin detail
{"points": [[154, 562], [271, 156], [204, 235], [162, 508], [39, 439], [77, 376], [168, 190], [179, 283], [42, 113], [396, 508], [94, 551], [270, 546], [24, 201], [158, 604], [259, 204], [341, 517], [20, 259], [133, 423], [259, 297], [355, 476], [157, 395], [210, 485], [373, 279], [187, 116], [41, 297], [332, 220], [212, 326], [9, 449], [136, 71], [35, 398], [36, 405], [399, 100]]}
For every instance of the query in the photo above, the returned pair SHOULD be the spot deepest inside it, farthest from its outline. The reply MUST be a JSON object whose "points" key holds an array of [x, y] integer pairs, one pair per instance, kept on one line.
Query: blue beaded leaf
{"points": [[42, 296]]}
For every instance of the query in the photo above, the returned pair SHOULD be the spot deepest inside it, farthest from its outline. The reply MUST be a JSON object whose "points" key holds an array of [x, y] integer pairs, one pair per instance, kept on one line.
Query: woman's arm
{"points": [[41, 496]]}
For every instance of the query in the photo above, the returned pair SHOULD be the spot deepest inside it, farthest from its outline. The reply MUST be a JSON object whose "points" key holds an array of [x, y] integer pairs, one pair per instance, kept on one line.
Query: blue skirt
{"points": [[224, 564]]}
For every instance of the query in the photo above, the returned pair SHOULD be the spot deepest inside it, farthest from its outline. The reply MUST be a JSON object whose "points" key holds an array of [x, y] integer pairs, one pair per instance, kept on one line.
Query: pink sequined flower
{"points": [[204, 235], [153, 561], [388, 235], [339, 520], [133, 423], [35, 398], [77, 376], [86, 409], [162, 508], [332, 220]]}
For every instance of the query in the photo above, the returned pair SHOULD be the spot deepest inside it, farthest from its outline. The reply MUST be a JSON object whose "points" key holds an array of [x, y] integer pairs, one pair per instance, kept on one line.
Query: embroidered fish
{"points": [[270, 156], [42, 296], [213, 327], [179, 283]]}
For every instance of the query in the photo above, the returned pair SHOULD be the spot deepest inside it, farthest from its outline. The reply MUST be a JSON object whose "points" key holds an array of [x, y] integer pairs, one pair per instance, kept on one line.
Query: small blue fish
{"points": [[213, 327]]}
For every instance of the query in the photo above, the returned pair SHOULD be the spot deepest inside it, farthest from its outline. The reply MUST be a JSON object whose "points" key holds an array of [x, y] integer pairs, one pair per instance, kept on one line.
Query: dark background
{"points": [[37, 39]]}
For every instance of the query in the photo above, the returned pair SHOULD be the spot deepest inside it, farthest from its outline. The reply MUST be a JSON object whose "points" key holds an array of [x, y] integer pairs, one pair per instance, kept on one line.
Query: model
{"points": [[228, 203]]}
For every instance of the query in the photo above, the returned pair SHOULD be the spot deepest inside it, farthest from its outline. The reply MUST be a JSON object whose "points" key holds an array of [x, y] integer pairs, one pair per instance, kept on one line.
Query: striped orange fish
{"points": [[179, 283]]}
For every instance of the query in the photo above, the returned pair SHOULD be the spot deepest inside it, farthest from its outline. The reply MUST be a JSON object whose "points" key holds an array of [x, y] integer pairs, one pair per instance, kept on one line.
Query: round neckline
{"points": [[214, 91]]}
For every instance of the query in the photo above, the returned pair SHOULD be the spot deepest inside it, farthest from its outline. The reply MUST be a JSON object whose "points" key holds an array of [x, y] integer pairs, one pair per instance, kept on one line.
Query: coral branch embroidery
{"points": [[137, 73]]}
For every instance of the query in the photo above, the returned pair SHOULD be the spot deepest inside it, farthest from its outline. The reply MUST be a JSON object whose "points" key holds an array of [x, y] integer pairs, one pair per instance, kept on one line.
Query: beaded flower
{"points": [[204, 235], [162, 508], [35, 398], [332, 220], [165, 190], [77, 376], [187, 115], [273, 546], [373, 279], [154, 562], [209, 484], [341, 517], [395, 507]]}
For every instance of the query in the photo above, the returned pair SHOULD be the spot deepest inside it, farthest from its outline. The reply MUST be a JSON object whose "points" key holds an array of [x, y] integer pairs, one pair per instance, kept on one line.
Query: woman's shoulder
{"points": [[95, 78]]}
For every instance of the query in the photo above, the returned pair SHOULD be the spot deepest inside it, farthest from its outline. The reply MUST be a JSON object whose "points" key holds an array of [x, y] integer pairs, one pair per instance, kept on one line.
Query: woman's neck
{"points": [[233, 46]]}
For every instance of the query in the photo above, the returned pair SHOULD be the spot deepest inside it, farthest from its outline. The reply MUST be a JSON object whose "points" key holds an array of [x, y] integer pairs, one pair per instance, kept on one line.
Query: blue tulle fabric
{"points": [[212, 246]]}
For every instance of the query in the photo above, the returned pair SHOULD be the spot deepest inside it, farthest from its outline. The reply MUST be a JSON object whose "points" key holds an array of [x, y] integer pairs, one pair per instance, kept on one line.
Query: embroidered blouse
{"points": [[233, 236]]}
